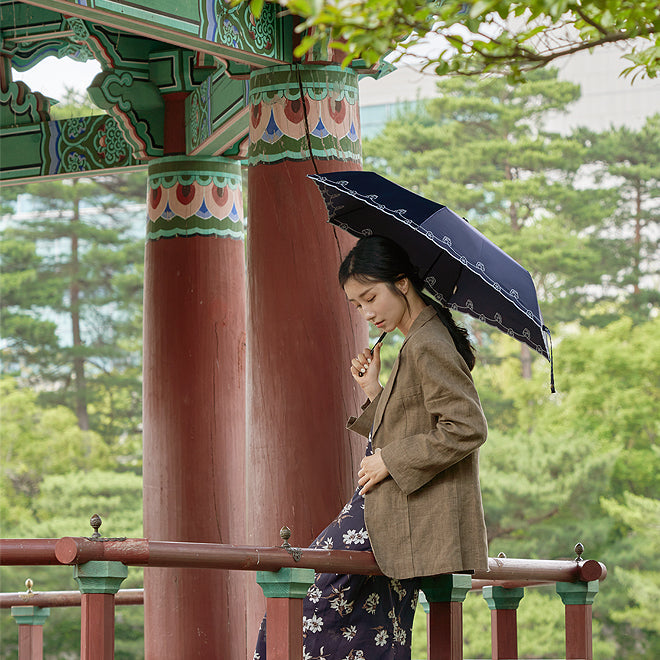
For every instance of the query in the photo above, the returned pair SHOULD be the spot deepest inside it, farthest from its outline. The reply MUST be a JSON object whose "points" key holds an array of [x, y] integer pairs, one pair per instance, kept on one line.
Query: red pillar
{"points": [[194, 401], [301, 332]]}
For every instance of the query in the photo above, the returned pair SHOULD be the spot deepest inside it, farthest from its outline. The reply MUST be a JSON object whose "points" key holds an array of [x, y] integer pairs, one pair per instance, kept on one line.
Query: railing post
{"points": [[444, 615], [503, 604], [98, 582], [284, 591], [30, 620], [578, 598]]}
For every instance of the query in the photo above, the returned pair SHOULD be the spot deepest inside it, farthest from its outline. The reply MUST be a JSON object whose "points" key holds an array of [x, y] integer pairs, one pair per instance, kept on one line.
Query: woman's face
{"points": [[379, 304]]}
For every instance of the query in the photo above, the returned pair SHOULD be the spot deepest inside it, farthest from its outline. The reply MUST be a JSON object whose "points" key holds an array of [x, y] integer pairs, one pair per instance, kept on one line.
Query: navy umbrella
{"points": [[462, 268]]}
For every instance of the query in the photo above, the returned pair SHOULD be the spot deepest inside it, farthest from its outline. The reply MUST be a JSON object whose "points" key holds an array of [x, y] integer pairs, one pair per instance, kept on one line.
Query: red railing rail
{"points": [[504, 580], [64, 598]]}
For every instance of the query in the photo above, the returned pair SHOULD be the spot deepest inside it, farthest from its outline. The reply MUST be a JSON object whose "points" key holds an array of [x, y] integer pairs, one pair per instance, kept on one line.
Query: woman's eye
{"points": [[371, 299]]}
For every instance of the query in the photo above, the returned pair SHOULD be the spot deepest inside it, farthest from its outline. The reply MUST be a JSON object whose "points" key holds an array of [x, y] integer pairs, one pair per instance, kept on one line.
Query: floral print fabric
{"points": [[353, 617]]}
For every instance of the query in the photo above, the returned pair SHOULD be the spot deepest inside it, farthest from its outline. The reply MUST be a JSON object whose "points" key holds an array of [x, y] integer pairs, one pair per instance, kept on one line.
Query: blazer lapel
{"points": [[426, 314]]}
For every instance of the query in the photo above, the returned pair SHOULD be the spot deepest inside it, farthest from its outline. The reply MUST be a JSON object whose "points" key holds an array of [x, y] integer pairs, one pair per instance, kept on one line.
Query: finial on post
{"points": [[285, 535], [28, 591], [95, 521], [579, 549]]}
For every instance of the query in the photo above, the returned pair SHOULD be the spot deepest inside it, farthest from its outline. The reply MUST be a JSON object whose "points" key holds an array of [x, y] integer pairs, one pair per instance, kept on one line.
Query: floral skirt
{"points": [[351, 617]]}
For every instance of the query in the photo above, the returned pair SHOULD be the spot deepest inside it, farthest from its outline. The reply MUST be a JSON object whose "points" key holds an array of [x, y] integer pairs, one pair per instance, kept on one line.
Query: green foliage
{"points": [[53, 478], [636, 577], [72, 300], [628, 161], [37, 442], [495, 36]]}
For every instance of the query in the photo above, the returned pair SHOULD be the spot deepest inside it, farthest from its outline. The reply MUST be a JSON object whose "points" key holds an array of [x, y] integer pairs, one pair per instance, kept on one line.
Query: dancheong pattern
{"points": [[277, 118], [84, 144], [193, 197]]}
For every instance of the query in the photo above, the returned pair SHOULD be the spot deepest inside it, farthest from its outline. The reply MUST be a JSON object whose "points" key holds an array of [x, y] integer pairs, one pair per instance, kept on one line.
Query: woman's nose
{"points": [[368, 314]]}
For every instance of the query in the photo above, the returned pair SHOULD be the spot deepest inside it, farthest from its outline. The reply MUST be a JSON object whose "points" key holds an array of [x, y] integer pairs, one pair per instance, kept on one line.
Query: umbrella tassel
{"points": [[552, 364]]}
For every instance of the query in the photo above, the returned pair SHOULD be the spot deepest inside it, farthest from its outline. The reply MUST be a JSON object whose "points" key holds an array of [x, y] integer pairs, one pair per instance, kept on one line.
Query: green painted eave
{"points": [[189, 24]]}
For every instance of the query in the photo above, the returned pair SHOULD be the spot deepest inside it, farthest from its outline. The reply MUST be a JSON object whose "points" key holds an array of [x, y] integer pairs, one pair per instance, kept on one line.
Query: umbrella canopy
{"points": [[459, 266]]}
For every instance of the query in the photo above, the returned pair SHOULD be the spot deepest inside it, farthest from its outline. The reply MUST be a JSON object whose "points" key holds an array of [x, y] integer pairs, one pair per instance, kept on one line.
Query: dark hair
{"points": [[376, 258]]}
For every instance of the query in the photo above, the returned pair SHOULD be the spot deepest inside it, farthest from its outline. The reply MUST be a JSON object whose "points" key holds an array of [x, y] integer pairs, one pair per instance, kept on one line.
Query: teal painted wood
{"points": [[194, 197], [56, 149], [577, 593], [136, 105], [20, 107], [278, 123], [500, 598], [286, 583], [217, 115], [100, 577], [209, 26], [445, 589], [30, 615], [31, 34]]}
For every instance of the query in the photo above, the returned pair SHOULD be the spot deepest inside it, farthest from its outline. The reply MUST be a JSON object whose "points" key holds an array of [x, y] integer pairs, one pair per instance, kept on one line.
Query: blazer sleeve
{"points": [[364, 422], [449, 397]]}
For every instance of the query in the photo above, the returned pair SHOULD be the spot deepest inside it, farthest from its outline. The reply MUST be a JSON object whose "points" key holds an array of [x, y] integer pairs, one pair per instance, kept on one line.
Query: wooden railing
{"points": [[284, 574]]}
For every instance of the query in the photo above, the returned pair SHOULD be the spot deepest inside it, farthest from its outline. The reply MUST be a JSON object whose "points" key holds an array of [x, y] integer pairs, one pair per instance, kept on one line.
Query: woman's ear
{"points": [[403, 285]]}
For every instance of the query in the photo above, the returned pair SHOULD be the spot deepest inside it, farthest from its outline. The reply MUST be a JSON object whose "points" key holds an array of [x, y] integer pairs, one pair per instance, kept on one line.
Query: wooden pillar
{"points": [[578, 598], [444, 615], [503, 604], [301, 331], [194, 401], [98, 582], [284, 591], [30, 620]]}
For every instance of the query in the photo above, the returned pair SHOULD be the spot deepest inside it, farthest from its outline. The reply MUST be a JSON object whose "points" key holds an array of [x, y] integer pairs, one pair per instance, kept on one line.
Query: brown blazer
{"points": [[426, 518]]}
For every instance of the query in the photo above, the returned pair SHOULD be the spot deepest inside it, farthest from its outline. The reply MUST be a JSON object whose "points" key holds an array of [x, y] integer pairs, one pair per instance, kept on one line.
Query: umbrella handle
{"points": [[380, 339]]}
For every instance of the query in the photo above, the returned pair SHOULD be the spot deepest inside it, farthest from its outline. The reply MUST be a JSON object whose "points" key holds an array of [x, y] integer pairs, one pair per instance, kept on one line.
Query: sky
{"points": [[52, 76]]}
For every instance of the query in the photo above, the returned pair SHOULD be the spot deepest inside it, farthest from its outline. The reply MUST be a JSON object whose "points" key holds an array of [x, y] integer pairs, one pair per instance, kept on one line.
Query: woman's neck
{"points": [[415, 306]]}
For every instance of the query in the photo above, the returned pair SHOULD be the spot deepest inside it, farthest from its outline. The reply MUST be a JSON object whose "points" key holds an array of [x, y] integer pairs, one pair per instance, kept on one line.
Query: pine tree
{"points": [[72, 293]]}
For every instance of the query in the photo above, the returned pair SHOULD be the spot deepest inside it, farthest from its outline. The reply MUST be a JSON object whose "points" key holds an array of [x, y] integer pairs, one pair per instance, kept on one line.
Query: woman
{"points": [[418, 501]]}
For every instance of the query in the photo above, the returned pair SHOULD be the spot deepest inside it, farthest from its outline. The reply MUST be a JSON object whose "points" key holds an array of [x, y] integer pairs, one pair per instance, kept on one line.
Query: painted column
{"points": [[503, 604], [301, 332], [194, 400], [98, 582], [444, 597], [30, 620], [578, 598], [284, 591]]}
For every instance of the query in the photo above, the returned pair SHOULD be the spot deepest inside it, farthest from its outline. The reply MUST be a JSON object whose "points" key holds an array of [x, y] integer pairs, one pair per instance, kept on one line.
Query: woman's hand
{"points": [[365, 368], [372, 471]]}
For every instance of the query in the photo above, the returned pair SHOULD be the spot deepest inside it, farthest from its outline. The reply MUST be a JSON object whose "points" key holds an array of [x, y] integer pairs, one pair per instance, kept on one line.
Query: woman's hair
{"points": [[376, 258]]}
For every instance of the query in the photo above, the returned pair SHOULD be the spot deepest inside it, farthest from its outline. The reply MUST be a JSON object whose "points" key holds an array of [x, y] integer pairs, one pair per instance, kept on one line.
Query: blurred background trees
{"points": [[579, 211]]}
